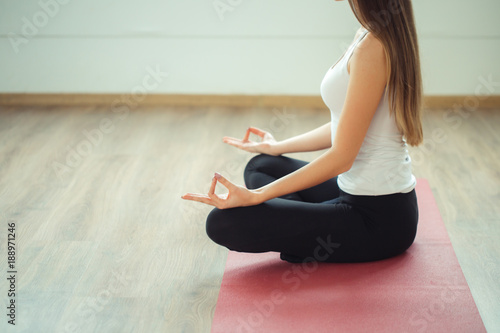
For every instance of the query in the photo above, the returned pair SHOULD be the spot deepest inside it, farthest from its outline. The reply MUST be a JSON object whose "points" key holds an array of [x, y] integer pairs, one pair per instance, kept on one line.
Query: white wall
{"points": [[260, 47]]}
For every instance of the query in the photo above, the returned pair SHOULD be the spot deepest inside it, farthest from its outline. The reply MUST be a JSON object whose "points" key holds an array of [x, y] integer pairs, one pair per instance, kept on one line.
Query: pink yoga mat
{"points": [[423, 290]]}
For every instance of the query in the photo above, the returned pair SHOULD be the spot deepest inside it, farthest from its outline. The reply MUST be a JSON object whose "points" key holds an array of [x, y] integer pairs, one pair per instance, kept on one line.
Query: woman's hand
{"points": [[238, 196], [267, 145]]}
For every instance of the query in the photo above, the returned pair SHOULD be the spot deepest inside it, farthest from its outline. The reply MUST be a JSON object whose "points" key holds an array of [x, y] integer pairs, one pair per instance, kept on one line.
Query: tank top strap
{"points": [[347, 54], [350, 51], [353, 46]]}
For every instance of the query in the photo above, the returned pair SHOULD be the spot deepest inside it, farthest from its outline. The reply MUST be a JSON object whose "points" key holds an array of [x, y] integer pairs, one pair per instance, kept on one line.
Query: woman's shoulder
{"points": [[369, 56], [359, 32], [370, 49]]}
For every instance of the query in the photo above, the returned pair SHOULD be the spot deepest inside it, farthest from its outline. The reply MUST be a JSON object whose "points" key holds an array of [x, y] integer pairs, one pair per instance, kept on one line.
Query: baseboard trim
{"points": [[315, 102]]}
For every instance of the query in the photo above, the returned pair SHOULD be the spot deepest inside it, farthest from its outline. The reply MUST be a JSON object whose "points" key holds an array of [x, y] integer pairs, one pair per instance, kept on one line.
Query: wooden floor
{"points": [[105, 244]]}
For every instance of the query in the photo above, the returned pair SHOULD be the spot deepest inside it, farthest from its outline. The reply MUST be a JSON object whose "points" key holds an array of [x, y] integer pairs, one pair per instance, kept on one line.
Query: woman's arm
{"points": [[366, 86], [317, 139]]}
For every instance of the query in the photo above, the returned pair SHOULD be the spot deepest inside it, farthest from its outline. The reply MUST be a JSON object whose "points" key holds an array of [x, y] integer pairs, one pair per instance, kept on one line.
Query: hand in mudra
{"points": [[266, 146], [237, 196]]}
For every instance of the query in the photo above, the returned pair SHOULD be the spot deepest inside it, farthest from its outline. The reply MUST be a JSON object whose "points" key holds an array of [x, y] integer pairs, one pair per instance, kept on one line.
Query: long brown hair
{"points": [[392, 22]]}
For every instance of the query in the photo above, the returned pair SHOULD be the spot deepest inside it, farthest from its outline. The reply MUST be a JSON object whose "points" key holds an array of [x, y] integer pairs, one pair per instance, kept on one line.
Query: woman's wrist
{"points": [[276, 148], [259, 196]]}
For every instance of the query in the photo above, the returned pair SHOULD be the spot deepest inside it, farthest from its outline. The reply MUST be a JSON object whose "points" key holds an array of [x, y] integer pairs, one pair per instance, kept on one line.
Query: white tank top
{"points": [[383, 165]]}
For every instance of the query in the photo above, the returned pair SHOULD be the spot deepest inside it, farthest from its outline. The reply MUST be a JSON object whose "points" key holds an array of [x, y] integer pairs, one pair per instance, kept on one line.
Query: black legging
{"points": [[321, 223]]}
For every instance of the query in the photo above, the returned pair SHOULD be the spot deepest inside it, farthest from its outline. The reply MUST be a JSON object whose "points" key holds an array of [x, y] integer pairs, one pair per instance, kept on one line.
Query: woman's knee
{"points": [[259, 164], [256, 162], [215, 226]]}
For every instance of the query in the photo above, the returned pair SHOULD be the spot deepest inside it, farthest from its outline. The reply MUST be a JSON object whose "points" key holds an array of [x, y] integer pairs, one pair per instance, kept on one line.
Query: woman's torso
{"points": [[383, 165]]}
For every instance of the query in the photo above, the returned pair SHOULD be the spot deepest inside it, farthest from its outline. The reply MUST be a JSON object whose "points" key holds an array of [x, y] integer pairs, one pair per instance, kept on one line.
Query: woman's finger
{"points": [[224, 181], [212, 200], [247, 135], [257, 131], [254, 130], [216, 201], [240, 144], [212, 186], [228, 139], [235, 143], [198, 197], [195, 195]]}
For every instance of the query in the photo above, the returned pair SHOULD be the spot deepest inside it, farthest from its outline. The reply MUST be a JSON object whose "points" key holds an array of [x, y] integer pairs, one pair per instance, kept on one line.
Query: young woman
{"points": [[357, 201]]}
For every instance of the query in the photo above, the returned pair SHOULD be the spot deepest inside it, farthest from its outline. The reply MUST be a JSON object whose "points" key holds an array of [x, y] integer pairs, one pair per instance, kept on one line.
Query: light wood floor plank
{"points": [[105, 244]]}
